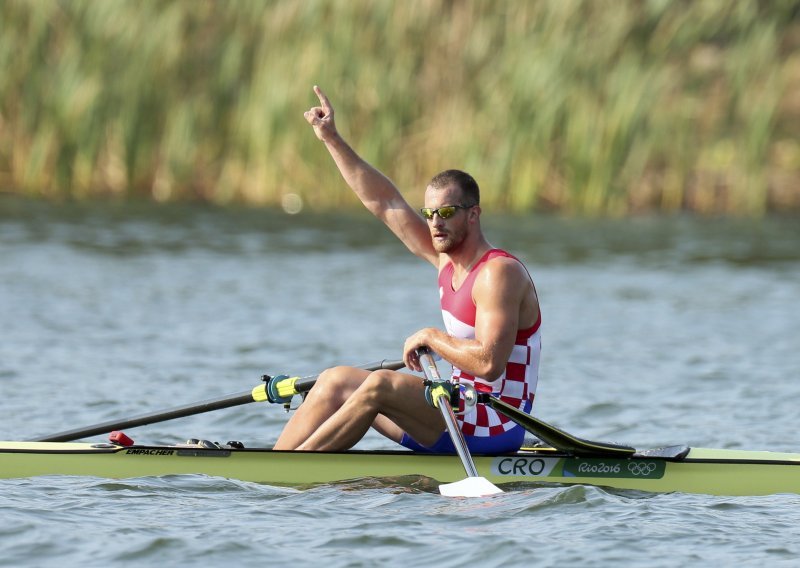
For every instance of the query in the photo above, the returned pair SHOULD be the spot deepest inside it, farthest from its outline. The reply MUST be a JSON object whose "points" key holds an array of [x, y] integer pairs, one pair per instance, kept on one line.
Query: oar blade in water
{"points": [[469, 487]]}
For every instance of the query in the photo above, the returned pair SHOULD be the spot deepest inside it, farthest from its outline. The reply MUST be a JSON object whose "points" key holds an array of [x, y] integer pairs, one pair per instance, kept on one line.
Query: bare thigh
{"points": [[404, 408]]}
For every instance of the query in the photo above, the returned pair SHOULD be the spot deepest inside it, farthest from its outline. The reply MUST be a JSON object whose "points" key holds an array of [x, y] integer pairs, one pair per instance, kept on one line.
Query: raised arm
{"points": [[378, 194]]}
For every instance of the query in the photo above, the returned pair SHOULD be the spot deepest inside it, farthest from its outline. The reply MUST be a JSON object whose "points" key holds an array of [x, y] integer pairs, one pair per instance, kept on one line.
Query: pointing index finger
{"points": [[326, 104]]}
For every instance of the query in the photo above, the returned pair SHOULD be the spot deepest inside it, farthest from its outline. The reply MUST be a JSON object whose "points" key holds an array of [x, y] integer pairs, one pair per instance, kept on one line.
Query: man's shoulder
{"points": [[503, 260], [504, 268]]}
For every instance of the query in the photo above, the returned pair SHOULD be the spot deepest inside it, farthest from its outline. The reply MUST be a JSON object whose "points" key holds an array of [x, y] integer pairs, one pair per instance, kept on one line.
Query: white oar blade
{"points": [[469, 487]]}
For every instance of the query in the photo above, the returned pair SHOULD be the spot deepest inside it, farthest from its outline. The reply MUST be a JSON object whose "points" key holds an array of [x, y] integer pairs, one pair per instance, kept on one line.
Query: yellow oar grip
{"points": [[285, 388], [282, 389], [436, 392], [259, 393]]}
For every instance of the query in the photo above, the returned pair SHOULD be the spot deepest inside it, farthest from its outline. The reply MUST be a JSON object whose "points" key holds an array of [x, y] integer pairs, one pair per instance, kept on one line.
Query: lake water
{"points": [[656, 331]]}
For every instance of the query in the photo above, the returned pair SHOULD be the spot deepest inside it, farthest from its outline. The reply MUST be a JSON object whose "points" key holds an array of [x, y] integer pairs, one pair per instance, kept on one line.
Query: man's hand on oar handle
{"points": [[414, 345], [321, 117]]}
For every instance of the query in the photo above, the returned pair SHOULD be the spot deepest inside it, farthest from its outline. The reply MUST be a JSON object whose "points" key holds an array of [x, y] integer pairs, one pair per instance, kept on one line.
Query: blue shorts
{"points": [[504, 443]]}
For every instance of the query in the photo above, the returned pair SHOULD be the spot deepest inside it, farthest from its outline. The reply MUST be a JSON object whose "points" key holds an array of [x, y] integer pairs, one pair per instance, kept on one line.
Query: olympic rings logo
{"points": [[641, 469]]}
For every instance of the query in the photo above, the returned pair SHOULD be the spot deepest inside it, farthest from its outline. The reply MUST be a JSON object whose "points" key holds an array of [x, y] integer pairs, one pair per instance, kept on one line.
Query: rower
{"points": [[491, 316]]}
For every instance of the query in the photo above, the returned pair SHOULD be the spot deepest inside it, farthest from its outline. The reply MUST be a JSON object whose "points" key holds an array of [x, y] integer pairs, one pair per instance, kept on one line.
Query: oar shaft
{"points": [[255, 395], [443, 403], [143, 420], [457, 436], [473, 485]]}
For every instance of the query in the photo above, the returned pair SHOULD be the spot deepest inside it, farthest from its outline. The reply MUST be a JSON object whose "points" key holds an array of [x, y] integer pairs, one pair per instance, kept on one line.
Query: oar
{"points": [[257, 394], [559, 439], [473, 485]]}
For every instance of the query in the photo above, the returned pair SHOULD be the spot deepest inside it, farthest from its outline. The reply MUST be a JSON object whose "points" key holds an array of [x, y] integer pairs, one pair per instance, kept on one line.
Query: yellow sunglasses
{"points": [[444, 212]]}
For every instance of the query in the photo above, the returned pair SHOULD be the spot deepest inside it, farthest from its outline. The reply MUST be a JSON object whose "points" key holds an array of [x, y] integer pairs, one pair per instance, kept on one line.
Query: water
{"points": [[655, 332]]}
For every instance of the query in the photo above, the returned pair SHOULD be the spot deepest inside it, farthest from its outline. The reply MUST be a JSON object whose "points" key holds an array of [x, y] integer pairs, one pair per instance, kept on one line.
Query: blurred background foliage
{"points": [[602, 107]]}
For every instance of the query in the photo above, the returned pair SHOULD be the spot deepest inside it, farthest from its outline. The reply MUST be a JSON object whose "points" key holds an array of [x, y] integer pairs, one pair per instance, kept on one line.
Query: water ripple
{"points": [[656, 331]]}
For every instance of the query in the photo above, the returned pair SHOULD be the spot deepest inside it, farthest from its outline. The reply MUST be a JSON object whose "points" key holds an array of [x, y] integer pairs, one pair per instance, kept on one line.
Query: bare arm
{"points": [[501, 292], [378, 194]]}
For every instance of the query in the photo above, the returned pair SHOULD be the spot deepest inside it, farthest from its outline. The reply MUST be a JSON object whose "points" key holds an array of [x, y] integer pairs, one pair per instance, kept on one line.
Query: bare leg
{"points": [[382, 396], [333, 387]]}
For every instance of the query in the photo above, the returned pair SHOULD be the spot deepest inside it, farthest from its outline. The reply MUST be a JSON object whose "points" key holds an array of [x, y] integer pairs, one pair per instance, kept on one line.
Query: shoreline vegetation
{"points": [[599, 108]]}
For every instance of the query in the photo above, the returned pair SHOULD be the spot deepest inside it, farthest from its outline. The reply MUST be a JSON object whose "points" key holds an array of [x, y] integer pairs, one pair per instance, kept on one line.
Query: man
{"points": [[491, 312]]}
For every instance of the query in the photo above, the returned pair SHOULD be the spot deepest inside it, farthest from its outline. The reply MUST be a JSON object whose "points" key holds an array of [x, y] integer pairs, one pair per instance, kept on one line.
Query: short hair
{"points": [[464, 181]]}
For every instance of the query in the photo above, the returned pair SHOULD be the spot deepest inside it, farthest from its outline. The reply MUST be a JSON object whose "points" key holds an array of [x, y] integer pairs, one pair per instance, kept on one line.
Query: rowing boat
{"points": [[556, 457], [670, 469]]}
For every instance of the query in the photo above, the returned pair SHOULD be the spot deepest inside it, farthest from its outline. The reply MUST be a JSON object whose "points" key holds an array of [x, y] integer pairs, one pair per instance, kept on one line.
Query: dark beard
{"points": [[451, 244]]}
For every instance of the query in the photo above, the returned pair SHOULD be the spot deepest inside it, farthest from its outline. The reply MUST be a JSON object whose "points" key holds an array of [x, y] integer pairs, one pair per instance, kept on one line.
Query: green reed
{"points": [[582, 107]]}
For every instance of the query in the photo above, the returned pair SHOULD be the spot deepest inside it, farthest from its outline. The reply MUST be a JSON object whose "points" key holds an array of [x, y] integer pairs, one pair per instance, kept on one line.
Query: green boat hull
{"points": [[696, 470]]}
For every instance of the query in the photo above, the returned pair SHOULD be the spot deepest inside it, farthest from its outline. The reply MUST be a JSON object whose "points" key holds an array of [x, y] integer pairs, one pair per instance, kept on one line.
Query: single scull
{"points": [[681, 469], [559, 458]]}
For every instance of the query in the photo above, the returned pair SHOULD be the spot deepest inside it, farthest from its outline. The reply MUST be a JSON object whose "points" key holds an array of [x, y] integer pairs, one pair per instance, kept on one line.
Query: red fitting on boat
{"points": [[120, 438]]}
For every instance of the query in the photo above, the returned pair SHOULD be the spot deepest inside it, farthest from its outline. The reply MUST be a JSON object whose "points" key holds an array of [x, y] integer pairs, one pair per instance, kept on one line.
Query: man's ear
{"points": [[474, 213]]}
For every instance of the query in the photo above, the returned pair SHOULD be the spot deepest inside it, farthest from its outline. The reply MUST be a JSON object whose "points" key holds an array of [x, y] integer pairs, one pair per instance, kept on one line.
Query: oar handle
{"points": [[428, 364]]}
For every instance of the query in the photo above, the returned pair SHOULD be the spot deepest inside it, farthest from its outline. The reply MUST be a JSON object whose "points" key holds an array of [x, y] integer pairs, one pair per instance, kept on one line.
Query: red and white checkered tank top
{"points": [[517, 385]]}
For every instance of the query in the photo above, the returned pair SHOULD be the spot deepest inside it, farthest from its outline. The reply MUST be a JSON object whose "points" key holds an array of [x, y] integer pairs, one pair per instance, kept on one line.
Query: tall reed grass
{"points": [[603, 107]]}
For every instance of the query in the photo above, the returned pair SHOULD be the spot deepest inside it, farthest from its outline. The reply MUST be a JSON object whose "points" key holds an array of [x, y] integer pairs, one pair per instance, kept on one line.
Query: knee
{"points": [[332, 376], [377, 385], [381, 378], [335, 383], [332, 379]]}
